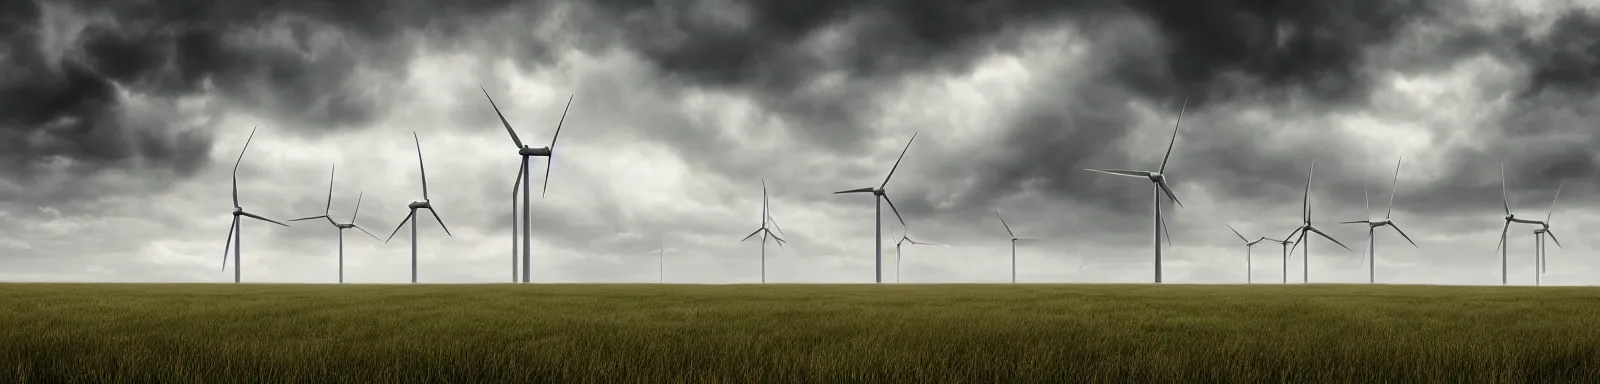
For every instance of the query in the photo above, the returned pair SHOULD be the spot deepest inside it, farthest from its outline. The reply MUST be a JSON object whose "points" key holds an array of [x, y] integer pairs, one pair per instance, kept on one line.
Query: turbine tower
{"points": [[1249, 248], [414, 206], [1539, 235], [1014, 240], [1159, 181], [766, 217], [1372, 226], [905, 237], [525, 152], [340, 226], [882, 196], [1306, 227], [1505, 199], [235, 239]]}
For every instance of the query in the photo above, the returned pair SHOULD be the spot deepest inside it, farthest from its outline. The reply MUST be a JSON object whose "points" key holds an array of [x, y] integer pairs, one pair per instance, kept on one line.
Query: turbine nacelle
{"points": [[237, 211], [534, 151], [344, 226], [420, 205], [1157, 177]]}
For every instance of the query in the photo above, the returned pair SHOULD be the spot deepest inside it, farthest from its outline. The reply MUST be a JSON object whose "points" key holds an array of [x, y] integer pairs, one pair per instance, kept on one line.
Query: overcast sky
{"points": [[120, 122]]}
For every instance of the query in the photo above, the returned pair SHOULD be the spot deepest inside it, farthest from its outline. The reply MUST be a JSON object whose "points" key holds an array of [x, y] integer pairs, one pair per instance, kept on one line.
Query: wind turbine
{"points": [[905, 237], [235, 239], [1285, 243], [1539, 234], [1249, 248], [883, 196], [341, 226], [1014, 240], [1505, 198], [1159, 182], [661, 262], [1305, 227], [1372, 226], [522, 177], [766, 217], [414, 206]]}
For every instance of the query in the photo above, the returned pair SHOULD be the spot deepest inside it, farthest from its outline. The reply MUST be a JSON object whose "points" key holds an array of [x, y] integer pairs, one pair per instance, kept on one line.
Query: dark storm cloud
{"points": [[307, 63]]}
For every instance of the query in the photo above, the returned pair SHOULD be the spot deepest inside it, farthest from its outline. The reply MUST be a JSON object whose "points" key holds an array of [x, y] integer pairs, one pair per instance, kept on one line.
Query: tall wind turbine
{"points": [[766, 217], [1539, 234], [1505, 198], [661, 262], [1372, 226], [341, 226], [1285, 243], [905, 237], [1159, 185], [882, 197], [1249, 248], [1014, 240], [522, 176], [235, 239], [414, 206], [1306, 227]]}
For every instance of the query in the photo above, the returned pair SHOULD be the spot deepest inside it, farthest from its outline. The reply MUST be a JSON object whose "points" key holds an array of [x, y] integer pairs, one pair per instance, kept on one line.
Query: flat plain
{"points": [[647, 333]]}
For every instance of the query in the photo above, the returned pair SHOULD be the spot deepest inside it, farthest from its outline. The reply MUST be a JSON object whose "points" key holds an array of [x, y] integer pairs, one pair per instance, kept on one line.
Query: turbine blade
{"points": [[514, 138], [1168, 191], [775, 225], [229, 244], [357, 213], [1121, 172], [1003, 223], [329, 207], [402, 224], [764, 214], [780, 240], [1392, 186], [1505, 197], [309, 218], [516, 185], [752, 234], [1553, 237], [1168, 231], [563, 121], [254, 216], [1174, 140], [895, 210], [1553, 200], [1502, 242], [548, 162], [1330, 238], [420, 167], [364, 230], [897, 161], [857, 190], [236, 165], [1366, 197], [441, 222], [1297, 240], [1403, 234], [1305, 202], [1236, 233]]}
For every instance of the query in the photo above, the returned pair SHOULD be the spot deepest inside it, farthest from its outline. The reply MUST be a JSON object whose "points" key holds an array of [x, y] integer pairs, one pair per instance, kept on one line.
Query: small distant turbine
{"points": [[414, 206], [1539, 234], [1014, 240], [661, 262], [235, 238], [1372, 226], [766, 217], [1505, 199], [1249, 247], [341, 226], [905, 237], [1158, 181], [1306, 228], [882, 197]]}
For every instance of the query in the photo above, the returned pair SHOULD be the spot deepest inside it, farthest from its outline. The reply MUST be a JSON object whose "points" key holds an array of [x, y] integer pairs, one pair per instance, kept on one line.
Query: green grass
{"points": [[797, 333]]}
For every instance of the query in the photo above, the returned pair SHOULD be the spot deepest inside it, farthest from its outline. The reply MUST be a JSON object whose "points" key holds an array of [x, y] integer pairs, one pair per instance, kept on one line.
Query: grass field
{"points": [[797, 333]]}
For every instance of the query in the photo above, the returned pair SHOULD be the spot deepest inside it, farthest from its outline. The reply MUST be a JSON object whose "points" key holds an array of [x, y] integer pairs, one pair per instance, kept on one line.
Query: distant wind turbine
{"points": [[1505, 199], [905, 237], [1014, 240], [235, 238], [1159, 182], [882, 197], [1249, 247], [341, 226], [766, 217], [1306, 227], [661, 262], [522, 177], [1372, 226], [1539, 234], [414, 206]]}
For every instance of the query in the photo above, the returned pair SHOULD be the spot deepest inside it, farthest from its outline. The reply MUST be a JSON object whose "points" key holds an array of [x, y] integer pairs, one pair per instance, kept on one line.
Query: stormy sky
{"points": [[120, 123]]}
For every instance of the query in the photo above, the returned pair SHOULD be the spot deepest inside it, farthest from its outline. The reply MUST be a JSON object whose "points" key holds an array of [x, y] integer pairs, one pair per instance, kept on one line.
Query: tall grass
{"points": [[798, 333]]}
